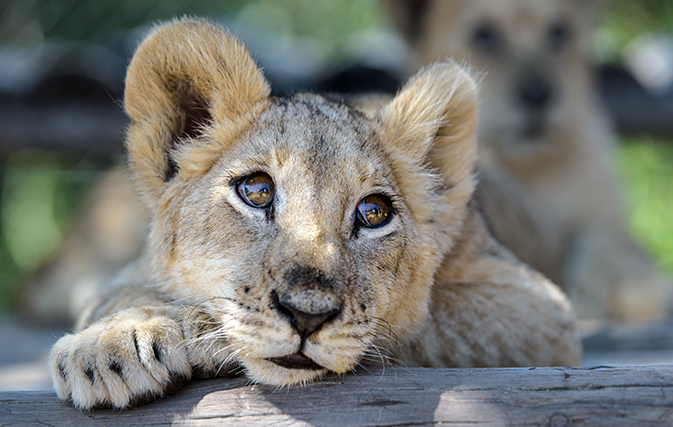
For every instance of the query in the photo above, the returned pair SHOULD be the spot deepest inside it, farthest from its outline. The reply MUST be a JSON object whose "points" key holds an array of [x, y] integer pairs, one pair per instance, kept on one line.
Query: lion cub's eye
{"points": [[558, 35], [257, 190], [486, 38], [374, 211]]}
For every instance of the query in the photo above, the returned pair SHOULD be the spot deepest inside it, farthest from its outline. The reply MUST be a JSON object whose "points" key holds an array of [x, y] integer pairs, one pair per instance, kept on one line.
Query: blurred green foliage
{"points": [[39, 194], [627, 19], [29, 220], [329, 22], [646, 172]]}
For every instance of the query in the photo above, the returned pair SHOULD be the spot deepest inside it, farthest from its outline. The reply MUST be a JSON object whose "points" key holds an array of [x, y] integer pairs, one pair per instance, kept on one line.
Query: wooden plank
{"points": [[596, 396]]}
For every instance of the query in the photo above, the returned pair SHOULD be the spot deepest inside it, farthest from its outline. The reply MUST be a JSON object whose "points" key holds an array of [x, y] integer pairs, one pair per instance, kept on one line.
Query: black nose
{"points": [[306, 323], [535, 93]]}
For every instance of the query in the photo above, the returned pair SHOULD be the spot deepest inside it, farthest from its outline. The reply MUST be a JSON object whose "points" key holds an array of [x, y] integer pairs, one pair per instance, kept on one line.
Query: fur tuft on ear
{"points": [[432, 124], [433, 120], [186, 77]]}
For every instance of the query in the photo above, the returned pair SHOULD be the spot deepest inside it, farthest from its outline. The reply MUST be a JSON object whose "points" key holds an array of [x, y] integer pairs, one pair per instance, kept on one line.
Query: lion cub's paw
{"points": [[125, 359], [209, 353]]}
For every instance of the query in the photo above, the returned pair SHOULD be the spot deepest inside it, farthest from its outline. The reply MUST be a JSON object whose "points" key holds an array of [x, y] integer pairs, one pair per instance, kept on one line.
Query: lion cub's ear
{"points": [[433, 121], [186, 76]]}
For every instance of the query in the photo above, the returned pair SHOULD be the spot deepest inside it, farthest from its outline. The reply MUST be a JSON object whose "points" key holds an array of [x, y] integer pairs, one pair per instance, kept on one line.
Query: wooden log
{"points": [[594, 396]]}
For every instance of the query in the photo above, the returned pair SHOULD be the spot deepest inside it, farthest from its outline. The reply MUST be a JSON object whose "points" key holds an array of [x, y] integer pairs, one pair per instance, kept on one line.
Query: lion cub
{"points": [[542, 122], [293, 237]]}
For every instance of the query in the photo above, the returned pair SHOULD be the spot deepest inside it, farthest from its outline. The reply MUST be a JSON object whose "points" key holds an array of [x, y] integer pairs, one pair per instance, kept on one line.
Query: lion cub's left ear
{"points": [[432, 122], [184, 77]]}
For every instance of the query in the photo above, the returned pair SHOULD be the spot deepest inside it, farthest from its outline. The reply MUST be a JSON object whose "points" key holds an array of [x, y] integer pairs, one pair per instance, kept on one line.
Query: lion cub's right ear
{"points": [[184, 78]]}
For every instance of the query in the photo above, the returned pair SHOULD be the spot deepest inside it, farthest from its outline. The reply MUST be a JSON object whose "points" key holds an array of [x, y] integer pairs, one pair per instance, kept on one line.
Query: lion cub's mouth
{"points": [[296, 361]]}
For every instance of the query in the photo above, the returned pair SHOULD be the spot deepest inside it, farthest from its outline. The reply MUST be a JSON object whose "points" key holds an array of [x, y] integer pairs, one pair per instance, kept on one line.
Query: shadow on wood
{"points": [[608, 396]]}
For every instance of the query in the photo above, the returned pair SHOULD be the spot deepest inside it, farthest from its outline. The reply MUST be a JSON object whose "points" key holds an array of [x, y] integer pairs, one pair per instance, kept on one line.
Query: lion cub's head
{"points": [[304, 228], [534, 54]]}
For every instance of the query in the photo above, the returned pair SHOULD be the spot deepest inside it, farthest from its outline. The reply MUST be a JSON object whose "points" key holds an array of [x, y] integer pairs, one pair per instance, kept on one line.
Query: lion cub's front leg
{"points": [[131, 356]]}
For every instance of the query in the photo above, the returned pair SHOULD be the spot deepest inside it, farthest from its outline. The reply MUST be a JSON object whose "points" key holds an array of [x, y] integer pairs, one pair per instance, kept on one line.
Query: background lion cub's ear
{"points": [[433, 121], [185, 77]]}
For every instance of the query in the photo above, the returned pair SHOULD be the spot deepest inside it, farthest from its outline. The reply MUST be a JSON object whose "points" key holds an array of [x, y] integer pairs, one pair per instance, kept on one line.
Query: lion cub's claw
{"points": [[128, 358]]}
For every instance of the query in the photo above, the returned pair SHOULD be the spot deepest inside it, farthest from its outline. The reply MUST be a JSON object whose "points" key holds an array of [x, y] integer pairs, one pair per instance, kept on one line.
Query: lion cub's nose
{"points": [[308, 310], [535, 94]]}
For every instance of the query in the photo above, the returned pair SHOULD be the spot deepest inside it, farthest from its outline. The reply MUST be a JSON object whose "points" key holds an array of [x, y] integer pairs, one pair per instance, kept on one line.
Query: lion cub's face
{"points": [[299, 240], [308, 232], [532, 54]]}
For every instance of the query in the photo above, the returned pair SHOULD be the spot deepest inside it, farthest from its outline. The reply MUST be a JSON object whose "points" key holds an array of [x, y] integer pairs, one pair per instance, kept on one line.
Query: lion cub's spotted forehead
{"points": [[309, 138]]}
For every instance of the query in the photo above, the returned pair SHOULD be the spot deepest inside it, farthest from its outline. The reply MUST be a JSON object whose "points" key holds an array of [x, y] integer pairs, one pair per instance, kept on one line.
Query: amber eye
{"points": [[374, 211], [257, 190], [559, 34]]}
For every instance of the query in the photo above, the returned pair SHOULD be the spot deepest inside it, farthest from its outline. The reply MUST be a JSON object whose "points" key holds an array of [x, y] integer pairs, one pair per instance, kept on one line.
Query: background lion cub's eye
{"points": [[486, 38], [257, 190], [558, 35], [374, 211]]}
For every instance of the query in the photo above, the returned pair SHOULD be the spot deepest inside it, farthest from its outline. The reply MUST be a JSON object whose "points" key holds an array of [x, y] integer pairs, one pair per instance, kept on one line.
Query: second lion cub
{"points": [[291, 237]]}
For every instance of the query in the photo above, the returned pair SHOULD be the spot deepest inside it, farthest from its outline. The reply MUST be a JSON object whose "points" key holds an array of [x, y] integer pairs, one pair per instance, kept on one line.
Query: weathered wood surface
{"points": [[595, 396]]}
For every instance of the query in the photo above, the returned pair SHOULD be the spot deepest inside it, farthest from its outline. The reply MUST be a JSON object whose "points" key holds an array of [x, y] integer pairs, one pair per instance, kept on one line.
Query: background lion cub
{"points": [[292, 237], [541, 121]]}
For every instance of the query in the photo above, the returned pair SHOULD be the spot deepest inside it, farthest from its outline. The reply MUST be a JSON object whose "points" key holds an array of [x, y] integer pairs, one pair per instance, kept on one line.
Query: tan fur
{"points": [[430, 287], [559, 152]]}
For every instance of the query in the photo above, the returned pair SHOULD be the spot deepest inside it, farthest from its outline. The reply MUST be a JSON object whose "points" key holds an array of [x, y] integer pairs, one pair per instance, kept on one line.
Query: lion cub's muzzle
{"points": [[309, 302]]}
